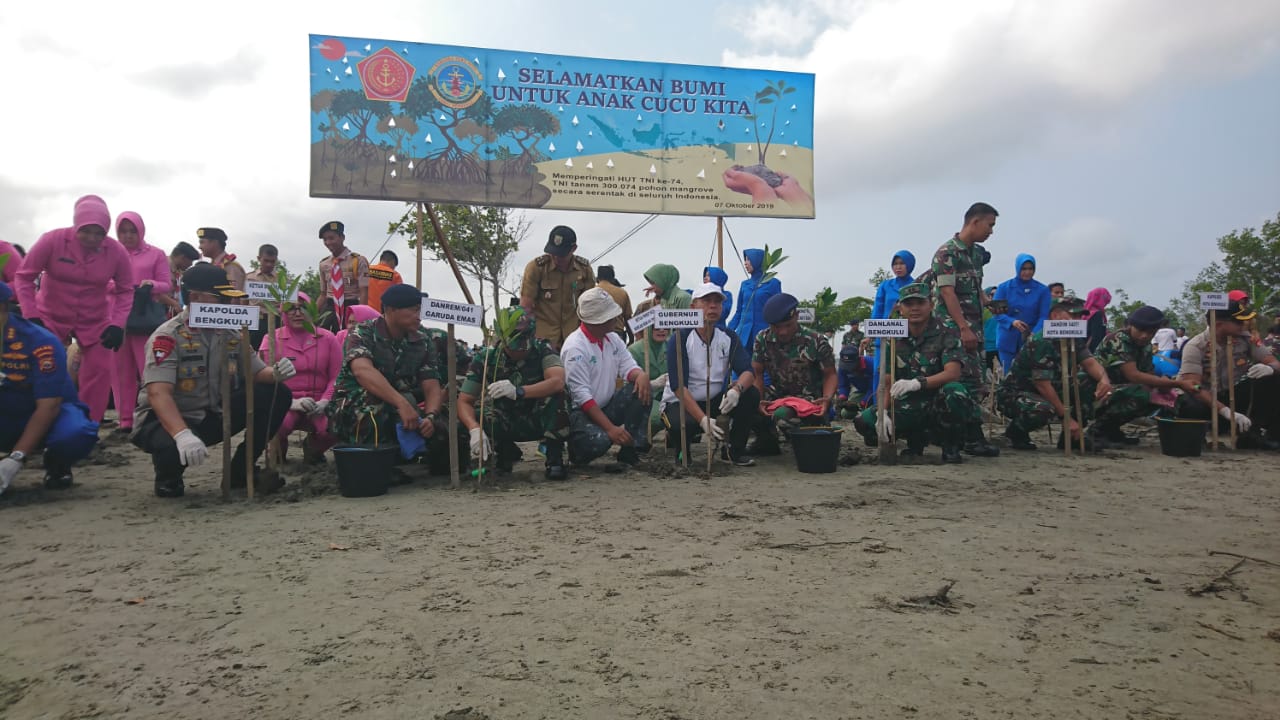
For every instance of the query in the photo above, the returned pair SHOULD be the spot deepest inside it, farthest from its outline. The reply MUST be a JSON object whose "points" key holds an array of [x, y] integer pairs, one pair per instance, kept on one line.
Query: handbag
{"points": [[146, 314]]}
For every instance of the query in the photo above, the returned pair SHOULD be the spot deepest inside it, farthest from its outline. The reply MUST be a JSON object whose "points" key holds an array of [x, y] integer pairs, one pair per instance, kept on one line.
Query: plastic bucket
{"points": [[1181, 438], [817, 448], [364, 471]]}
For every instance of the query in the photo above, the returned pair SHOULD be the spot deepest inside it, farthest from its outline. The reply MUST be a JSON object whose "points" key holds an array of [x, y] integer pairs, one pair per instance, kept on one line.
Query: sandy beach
{"points": [[1073, 589]]}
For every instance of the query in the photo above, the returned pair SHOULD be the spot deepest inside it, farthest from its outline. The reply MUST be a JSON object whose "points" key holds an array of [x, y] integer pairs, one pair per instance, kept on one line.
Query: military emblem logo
{"points": [[386, 76], [455, 81]]}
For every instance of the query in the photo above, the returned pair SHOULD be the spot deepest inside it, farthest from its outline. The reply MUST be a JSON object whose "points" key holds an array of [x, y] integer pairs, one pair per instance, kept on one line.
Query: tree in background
{"points": [[830, 316], [1120, 307], [1250, 262], [309, 283], [878, 277], [483, 241]]}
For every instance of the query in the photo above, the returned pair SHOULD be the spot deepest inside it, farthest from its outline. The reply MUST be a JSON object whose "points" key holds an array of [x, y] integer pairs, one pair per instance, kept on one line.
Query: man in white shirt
{"points": [[709, 356], [603, 415], [1165, 339]]}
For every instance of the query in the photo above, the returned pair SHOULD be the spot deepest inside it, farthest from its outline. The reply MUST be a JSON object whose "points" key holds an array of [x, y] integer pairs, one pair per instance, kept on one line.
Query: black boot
{"points": [[1115, 436], [766, 444], [950, 442], [508, 454], [57, 474], [1018, 438], [1091, 442], [867, 432], [915, 446], [976, 443], [168, 474], [629, 456], [555, 460]]}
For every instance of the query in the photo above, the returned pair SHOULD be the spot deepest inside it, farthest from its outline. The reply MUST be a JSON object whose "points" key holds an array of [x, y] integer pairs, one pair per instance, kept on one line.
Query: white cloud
{"points": [[774, 24]]}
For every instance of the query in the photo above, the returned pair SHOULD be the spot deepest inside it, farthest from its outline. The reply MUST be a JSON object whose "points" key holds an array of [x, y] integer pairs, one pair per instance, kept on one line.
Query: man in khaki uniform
{"points": [[213, 245], [179, 409], [552, 283], [607, 280], [268, 262], [353, 289]]}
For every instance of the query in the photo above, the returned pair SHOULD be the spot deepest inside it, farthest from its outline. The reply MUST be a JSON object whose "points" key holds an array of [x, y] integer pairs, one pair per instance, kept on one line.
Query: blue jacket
{"points": [[752, 295], [1028, 301], [887, 293], [721, 278], [35, 368]]}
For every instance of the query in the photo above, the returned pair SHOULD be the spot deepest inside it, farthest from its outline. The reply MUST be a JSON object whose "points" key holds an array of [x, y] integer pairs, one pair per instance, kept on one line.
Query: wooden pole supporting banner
{"points": [[451, 354], [448, 253], [418, 247], [720, 242], [1074, 370], [246, 352], [1213, 379], [224, 388], [1231, 387], [1064, 356]]}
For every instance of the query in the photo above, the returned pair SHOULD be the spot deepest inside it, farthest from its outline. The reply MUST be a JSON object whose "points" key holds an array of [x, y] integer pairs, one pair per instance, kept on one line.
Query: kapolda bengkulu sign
{"points": [[412, 121]]}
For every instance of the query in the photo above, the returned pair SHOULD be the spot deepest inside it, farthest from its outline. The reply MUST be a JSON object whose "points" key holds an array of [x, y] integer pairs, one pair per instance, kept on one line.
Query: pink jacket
{"points": [[74, 293], [148, 261], [12, 265], [317, 358]]}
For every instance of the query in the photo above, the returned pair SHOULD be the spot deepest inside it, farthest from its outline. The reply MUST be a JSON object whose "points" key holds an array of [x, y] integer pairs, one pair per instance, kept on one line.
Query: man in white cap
{"points": [[595, 359], [709, 356]]}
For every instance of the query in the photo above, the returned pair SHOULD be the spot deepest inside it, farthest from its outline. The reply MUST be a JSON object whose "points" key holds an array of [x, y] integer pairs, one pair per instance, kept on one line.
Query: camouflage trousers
{"points": [[1029, 411], [942, 411], [1127, 403], [365, 420], [588, 441], [527, 420]]}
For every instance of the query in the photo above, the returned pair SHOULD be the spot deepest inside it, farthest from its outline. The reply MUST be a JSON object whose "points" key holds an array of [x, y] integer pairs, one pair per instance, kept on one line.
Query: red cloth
{"points": [[803, 407]]}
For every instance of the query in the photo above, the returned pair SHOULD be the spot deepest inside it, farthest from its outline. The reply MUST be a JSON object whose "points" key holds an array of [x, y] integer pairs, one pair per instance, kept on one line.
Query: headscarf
{"points": [[136, 219], [1096, 303], [91, 210], [717, 275], [756, 256], [657, 352], [362, 313], [667, 279], [910, 261]]}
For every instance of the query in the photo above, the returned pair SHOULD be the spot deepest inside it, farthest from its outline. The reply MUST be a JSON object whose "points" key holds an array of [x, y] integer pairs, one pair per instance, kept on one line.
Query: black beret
{"points": [[334, 225], [1146, 318], [398, 297], [779, 308], [211, 233]]}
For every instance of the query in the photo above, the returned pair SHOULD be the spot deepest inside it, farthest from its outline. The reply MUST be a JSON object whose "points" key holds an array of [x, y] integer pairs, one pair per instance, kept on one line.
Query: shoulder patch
{"points": [[45, 359], [161, 348]]}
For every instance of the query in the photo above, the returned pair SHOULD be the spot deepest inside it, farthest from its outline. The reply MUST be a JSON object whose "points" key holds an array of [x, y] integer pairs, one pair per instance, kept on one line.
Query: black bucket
{"points": [[1181, 438], [364, 471], [817, 448]]}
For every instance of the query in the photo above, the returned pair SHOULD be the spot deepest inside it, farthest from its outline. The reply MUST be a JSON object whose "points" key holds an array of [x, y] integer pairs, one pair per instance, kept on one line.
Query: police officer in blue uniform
{"points": [[39, 407]]}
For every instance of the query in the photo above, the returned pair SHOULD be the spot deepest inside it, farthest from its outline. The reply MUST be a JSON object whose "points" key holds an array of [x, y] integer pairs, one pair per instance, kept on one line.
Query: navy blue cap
{"points": [[1146, 318], [779, 308], [398, 297]]}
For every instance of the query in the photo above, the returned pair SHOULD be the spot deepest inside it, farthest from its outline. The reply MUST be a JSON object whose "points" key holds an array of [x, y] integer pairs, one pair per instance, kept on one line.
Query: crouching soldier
{"points": [[179, 410], [1127, 357], [800, 367], [39, 407], [929, 399], [524, 379], [389, 369], [1030, 396]]}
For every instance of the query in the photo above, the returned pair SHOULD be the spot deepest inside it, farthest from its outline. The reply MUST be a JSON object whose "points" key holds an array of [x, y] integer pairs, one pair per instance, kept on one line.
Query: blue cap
{"points": [[6, 292], [779, 308]]}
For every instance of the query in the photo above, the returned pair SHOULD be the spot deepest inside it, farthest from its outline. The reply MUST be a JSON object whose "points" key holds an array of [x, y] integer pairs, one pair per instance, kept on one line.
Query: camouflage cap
{"points": [[1070, 303], [914, 291]]}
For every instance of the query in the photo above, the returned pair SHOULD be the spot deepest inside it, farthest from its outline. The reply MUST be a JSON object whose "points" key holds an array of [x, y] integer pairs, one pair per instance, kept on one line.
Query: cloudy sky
{"points": [[1118, 138]]}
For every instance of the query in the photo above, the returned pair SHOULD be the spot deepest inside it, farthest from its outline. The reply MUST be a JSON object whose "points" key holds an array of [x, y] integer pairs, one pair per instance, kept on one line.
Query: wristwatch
{"points": [[519, 392], [18, 456], [924, 382]]}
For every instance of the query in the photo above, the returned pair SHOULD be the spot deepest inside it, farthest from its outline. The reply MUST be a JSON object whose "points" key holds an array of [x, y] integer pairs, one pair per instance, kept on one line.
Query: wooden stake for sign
{"points": [[720, 242], [684, 428], [1074, 370], [224, 387], [419, 248], [483, 459], [888, 456], [709, 424], [1213, 379], [451, 353], [892, 403], [648, 426], [1231, 387], [448, 253], [249, 454], [1065, 359], [273, 444]]}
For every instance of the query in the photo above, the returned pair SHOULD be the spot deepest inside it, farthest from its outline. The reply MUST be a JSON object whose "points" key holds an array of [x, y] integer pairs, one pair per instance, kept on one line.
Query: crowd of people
{"points": [[565, 368]]}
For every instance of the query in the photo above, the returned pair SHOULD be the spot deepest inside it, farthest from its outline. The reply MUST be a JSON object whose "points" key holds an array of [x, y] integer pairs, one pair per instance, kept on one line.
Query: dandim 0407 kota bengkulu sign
{"points": [[411, 121]]}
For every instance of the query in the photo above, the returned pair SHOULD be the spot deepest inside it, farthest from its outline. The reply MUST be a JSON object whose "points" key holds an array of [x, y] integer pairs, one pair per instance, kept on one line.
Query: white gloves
{"points": [[480, 447], [884, 428], [502, 389], [283, 369], [659, 383], [903, 387], [8, 471], [1259, 371], [191, 449], [320, 407], [304, 405], [713, 431], [730, 401], [1243, 423]]}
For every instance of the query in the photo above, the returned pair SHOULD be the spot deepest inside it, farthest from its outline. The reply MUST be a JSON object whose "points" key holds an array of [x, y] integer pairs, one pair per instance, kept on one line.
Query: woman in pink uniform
{"points": [[356, 314], [317, 356], [150, 268], [76, 297]]}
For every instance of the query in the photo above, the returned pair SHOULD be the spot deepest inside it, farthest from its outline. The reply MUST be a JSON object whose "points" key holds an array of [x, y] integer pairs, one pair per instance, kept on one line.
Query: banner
{"points": [[410, 121]]}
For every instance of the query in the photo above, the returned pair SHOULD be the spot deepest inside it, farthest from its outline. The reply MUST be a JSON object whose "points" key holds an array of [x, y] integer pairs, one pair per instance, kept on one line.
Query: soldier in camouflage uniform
{"points": [[1126, 356], [800, 364], [1030, 395], [929, 399], [956, 273], [527, 402], [853, 336], [388, 370]]}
